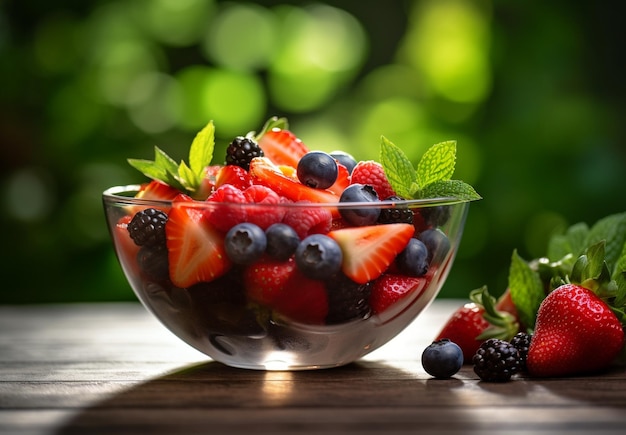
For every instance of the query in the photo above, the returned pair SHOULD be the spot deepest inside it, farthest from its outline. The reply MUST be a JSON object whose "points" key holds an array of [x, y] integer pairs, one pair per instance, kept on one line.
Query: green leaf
{"points": [[398, 169], [201, 151], [162, 160], [527, 291], [450, 189], [611, 229], [148, 168], [273, 122], [437, 163], [573, 242], [186, 177], [620, 265]]}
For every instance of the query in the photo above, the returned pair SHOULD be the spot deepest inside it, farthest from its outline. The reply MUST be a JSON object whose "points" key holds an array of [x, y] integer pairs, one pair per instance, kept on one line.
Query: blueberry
{"points": [[344, 159], [317, 169], [442, 359], [437, 244], [413, 260], [359, 193], [244, 243], [282, 241], [318, 257], [436, 216]]}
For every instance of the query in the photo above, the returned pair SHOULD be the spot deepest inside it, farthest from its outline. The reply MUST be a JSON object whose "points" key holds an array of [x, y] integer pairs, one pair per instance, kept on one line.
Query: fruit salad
{"points": [[279, 255]]}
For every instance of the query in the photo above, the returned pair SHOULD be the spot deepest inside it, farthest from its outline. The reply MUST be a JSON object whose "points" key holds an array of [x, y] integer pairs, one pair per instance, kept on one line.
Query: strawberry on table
{"points": [[576, 332], [195, 247], [369, 250]]}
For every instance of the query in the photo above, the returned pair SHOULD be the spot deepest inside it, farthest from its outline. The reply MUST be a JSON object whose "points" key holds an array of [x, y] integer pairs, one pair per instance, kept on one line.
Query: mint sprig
{"points": [[431, 179], [182, 176]]}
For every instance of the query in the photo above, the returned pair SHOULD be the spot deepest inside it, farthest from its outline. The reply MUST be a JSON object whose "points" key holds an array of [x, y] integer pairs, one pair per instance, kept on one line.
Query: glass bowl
{"points": [[310, 323]]}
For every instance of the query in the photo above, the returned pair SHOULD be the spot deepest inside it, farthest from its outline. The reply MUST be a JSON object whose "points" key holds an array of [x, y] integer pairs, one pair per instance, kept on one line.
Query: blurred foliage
{"points": [[533, 92]]}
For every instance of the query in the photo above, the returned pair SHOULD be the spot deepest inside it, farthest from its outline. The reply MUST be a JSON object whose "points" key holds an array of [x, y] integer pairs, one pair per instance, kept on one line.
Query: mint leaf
{"points": [[572, 242], [201, 152], [437, 163], [398, 169], [612, 230], [526, 288], [620, 265], [273, 122], [450, 189]]}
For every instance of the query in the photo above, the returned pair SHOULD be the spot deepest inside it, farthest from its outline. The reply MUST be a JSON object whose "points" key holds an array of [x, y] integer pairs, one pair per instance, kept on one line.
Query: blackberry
{"points": [[347, 300], [241, 151], [395, 215], [147, 227], [496, 361], [521, 341], [154, 263]]}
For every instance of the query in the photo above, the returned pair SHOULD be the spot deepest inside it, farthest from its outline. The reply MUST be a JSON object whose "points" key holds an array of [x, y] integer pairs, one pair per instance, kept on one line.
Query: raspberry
{"points": [[395, 215], [264, 216], [147, 228], [521, 341], [241, 151], [347, 300], [496, 361], [307, 221], [225, 217], [372, 173]]}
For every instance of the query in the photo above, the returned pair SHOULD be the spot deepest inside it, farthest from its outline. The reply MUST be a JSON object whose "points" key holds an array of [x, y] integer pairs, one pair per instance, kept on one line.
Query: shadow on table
{"points": [[212, 398]]}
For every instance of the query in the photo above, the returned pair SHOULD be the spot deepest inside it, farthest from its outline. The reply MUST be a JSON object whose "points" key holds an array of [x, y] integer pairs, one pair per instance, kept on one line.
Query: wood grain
{"points": [[111, 368]]}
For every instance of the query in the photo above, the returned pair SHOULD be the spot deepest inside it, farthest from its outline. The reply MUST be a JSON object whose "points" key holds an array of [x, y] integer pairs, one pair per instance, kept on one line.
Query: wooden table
{"points": [[112, 369]]}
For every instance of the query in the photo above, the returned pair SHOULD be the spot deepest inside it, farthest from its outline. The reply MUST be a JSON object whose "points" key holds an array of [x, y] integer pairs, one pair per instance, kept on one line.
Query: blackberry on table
{"points": [[147, 227], [395, 215], [241, 151], [496, 361], [521, 341], [347, 300]]}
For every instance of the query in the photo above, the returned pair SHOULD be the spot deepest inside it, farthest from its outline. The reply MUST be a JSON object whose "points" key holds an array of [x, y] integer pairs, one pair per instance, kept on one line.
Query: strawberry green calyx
{"points": [[502, 325], [433, 176], [185, 177]]}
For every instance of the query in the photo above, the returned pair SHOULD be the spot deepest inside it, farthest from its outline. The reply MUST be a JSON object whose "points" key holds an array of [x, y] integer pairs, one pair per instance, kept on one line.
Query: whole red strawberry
{"points": [[576, 332], [463, 328]]}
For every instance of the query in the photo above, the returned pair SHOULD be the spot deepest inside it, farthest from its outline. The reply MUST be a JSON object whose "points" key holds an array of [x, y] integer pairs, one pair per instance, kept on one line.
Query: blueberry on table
{"points": [[317, 169], [244, 243], [442, 359]]}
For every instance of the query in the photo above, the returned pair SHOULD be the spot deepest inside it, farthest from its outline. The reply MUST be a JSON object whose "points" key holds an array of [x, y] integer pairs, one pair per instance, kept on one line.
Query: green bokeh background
{"points": [[532, 91]]}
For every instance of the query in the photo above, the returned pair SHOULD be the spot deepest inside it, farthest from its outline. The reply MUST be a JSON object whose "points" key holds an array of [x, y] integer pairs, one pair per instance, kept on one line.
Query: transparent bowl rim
{"points": [[114, 195]]}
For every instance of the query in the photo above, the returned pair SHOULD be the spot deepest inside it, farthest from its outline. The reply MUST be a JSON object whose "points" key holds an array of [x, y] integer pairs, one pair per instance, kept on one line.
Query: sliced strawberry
{"points": [[282, 147], [390, 288], [369, 250], [195, 247], [125, 247], [266, 214], [234, 175], [264, 172], [279, 286], [343, 180], [156, 190], [208, 182]]}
